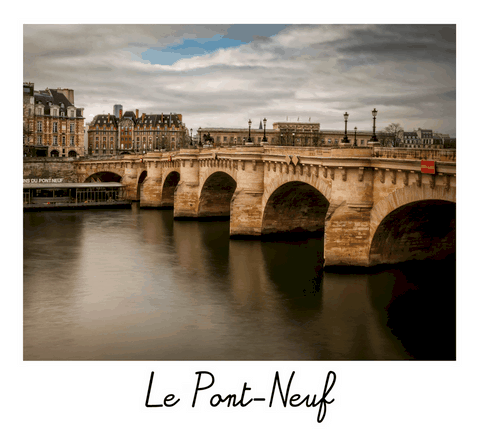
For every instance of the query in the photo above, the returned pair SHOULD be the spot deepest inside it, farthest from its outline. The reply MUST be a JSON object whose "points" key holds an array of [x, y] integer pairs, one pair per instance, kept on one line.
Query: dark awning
{"points": [[53, 185]]}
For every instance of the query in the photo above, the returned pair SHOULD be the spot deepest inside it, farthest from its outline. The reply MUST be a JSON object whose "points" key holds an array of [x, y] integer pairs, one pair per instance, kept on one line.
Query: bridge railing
{"points": [[291, 150], [412, 153]]}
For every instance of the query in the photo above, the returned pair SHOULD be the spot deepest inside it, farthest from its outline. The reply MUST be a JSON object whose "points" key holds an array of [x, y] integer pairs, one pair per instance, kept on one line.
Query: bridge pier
{"points": [[347, 236], [246, 206], [187, 191], [130, 177], [151, 195]]}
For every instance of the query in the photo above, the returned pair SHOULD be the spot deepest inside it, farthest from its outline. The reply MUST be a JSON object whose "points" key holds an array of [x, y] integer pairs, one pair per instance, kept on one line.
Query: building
{"points": [[282, 134], [116, 110], [132, 133], [52, 125], [424, 138]]}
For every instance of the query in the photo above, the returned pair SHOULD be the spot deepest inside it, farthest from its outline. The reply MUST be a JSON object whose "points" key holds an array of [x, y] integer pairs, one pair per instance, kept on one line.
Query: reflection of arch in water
{"points": [[216, 195], [417, 302], [295, 207], [168, 190], [418, 230]]}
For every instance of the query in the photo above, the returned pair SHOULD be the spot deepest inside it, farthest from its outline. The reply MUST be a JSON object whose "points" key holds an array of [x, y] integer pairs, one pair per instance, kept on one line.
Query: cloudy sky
{"points": [[222, 75]]}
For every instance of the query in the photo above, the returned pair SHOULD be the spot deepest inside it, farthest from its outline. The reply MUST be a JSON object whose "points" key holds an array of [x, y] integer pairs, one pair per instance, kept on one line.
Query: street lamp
{"points": [[249, 127], [345, 139], [374, 114], [191, 136], [200, 135], [264, 130], [293, 138], [355, 140], [281, 139]]}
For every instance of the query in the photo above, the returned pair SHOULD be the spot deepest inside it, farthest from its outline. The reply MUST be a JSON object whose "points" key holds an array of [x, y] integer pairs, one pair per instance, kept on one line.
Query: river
{"points": [[135, 284]]}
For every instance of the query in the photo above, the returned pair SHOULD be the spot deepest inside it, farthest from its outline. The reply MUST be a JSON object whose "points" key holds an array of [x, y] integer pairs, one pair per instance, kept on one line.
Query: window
{"points": [[63, 141], [39, 141], [39, 126], [329, 141], [55, 140], [362, 141], [224, 139], [54, 127], [336, 141]]}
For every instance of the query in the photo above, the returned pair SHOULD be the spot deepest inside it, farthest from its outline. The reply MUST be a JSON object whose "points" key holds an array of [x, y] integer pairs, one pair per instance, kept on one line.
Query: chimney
{"points": [[120, 114], [136, 112], [108, 117], [162, 117], [143, 117]]}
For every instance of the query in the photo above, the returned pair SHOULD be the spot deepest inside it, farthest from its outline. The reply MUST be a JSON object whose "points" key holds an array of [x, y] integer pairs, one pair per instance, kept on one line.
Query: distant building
{"points": [[52, 125], [424, 138], [132, 133], [116, 110], [284, 134]]}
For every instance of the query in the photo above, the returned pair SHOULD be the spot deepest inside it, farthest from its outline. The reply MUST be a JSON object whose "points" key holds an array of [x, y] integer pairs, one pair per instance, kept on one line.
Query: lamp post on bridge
{"points": [[374, 114], [249, 127], [264, 140], [355, 140], [191, 136], [345, 139], [200, 136]]}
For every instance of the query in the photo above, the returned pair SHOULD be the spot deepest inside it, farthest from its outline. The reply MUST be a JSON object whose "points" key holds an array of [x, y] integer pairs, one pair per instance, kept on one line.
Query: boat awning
{"points": [[51, 185]]}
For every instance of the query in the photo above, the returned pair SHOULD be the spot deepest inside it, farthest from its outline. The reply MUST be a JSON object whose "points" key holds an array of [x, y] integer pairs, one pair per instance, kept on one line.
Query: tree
{"points": [[395, 131]]}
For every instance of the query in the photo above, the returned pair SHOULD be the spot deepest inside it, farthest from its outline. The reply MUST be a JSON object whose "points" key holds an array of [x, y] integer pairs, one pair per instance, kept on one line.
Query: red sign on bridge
{"points": [[428, 167]]}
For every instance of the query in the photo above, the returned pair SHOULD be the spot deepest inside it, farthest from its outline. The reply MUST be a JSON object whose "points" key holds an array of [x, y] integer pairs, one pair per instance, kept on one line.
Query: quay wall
{"points": [[50, 168]]}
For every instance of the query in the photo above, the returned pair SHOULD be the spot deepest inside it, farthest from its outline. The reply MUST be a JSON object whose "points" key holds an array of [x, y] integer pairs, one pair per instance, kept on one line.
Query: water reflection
{"points": [[135, 284]]}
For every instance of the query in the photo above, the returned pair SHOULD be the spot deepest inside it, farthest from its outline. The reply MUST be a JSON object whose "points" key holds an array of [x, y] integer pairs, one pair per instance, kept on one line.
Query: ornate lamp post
{"points": [[345, 139], [355, 140], [281, 139], [293, 138], [191, 136], [264, 140], [200, 135], [249, 127], [374, 114]]}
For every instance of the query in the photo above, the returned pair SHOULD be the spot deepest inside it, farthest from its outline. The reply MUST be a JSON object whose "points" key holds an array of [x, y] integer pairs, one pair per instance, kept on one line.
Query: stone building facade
{"points": [[131, 133], [424, 138], [52, 125]]}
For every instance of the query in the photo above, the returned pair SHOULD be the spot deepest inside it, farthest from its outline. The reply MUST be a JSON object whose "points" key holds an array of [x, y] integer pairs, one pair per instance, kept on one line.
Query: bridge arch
{"points": [[294, 207], [170, 183], [103, 176], [413, 223], [276, 182], [216, 195]]}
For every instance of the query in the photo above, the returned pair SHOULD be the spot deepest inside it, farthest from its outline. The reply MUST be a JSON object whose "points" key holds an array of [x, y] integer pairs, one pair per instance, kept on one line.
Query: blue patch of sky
{"points": [[236, 35], [188, 48]]}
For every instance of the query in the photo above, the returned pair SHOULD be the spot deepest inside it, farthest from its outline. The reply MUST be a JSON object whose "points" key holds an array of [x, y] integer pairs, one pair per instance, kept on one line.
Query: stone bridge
{"points": [[373, 205]]}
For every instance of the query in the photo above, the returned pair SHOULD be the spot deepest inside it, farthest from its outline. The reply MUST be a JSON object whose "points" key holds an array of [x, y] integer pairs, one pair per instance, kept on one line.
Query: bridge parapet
{"points": [[412, 153]]}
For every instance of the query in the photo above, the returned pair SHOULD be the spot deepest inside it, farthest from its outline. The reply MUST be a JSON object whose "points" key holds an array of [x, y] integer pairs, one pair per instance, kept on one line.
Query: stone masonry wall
{"points": [[50, 168]]}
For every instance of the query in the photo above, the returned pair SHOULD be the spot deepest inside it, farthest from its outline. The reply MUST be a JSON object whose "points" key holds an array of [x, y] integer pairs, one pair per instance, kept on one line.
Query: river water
{"points": [[137, 285]]}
